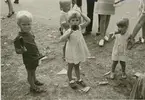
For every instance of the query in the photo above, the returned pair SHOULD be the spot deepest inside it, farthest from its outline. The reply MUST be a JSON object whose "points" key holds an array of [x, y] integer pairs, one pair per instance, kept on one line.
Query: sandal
{"points": [[81, 82], [38, 83], [73, 84], [112, 75], [36, 90], [10, 14], [124, 76]]}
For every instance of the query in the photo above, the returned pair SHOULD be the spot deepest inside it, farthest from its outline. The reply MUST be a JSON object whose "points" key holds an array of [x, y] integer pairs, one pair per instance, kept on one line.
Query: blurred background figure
{"points": [[10, 6], [78, 3], [16, 1]]}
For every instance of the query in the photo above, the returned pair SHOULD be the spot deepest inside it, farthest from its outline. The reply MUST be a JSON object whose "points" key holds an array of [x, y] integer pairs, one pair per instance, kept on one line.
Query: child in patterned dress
{"points": [[120, 46], [76, 50]]}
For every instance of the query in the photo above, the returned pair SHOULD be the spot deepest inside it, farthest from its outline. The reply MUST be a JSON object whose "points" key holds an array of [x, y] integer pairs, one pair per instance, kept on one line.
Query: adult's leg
{"points": [[79, 4], [99, 18], [10, 6], [90, 10], [139, 24], [107, 22], [102, 25], [143, 31], [73, 3]]}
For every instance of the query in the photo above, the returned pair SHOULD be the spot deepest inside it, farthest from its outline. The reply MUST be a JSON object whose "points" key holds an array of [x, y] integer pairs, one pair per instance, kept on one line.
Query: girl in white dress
{"points": [[76, 48], [120, 46]]}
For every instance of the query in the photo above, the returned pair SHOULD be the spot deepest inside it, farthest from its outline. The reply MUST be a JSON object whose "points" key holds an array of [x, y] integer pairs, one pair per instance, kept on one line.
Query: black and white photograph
{"points": [[72, 49]]}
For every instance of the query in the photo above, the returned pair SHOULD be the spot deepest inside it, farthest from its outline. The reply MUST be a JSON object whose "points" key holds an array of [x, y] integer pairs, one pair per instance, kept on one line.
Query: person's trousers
{"points": [[77, 2], [90, 11]]}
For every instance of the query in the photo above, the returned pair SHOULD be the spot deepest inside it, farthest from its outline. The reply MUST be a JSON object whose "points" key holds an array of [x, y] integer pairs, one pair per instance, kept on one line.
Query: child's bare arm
{"points": [[66, 35], [111, 36], [87, 21]]}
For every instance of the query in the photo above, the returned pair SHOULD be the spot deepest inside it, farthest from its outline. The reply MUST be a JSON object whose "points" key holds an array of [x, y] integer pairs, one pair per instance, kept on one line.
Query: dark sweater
{"points": [[32, 53]]}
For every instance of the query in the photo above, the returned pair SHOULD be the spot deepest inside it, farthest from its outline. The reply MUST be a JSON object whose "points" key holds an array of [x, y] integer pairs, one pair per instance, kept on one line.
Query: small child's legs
{"points": [[77, 71], [64, 51], [34, 83], [114, 66], [123, 65], [31, 78], [69, 71]]}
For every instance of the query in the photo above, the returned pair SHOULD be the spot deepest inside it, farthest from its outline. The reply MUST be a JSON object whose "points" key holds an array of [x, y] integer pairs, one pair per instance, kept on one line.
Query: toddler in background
{"points": [[120, 46], [65, 6]]}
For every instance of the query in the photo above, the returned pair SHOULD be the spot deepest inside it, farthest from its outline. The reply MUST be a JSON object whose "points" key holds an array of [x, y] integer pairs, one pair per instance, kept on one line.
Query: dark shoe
{"points": [[60, 31], [37, 90], [6, 1], [38, 83], [81, 83], [86, 33], [73, 84], [10, 14], [16, 2], [98, 33]]}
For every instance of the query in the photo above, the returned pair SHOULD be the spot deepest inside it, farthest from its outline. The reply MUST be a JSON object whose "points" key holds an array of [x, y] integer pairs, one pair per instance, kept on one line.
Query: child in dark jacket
{"points": [[25, 44]]}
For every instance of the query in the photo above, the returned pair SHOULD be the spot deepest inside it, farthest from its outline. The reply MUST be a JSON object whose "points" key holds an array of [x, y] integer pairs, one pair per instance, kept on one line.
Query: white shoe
{"points": [[142, 40], [106, 38], [101, 42]]}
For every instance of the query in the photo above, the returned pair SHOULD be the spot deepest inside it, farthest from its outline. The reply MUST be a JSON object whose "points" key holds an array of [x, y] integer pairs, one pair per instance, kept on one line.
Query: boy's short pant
{"points": [[32, 65]]}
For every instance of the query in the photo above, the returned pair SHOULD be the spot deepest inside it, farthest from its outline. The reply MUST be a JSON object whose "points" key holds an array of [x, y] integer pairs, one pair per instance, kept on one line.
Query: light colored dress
{"points": [[120, 47], [105, 7], [76, 48]]}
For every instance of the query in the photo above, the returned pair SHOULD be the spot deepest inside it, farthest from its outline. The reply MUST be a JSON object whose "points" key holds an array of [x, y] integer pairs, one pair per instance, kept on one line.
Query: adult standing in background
{"points": [[78, 3], [90, 13], [104, 8], [10, 6]]}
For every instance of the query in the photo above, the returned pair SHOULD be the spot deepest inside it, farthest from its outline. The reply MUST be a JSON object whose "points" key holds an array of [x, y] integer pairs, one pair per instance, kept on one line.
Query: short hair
{"points": [[124, 22], [63, 3], [73, 14], [21, 14]]}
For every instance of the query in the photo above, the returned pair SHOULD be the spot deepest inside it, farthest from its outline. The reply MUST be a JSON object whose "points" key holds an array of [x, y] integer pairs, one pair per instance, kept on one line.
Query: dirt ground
{"points": [[14, 84]]}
